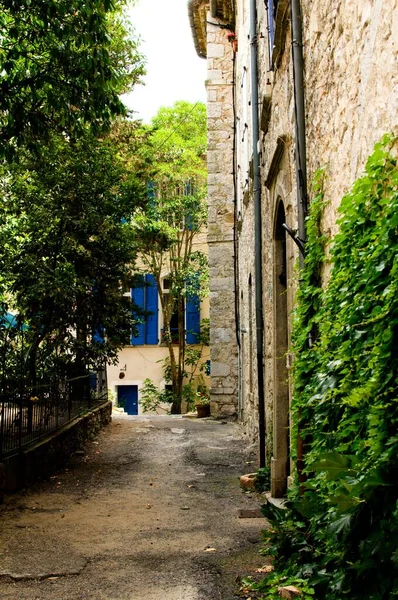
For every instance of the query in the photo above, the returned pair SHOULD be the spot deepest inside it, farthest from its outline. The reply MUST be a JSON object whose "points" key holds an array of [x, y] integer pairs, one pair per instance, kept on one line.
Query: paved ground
{"points": [[148, 511]]}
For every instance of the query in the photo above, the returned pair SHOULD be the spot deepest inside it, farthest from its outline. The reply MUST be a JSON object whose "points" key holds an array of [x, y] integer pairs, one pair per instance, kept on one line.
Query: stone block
{"points": [[222, 283], [223, 334], [219, 369], [228, 410], [223, 391], [215, 50], [214, 109], [221, 254], [215, 75]]}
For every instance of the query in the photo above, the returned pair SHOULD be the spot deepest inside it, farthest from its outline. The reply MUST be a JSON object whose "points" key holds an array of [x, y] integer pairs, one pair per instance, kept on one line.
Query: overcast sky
{"points": [[174, 70]]}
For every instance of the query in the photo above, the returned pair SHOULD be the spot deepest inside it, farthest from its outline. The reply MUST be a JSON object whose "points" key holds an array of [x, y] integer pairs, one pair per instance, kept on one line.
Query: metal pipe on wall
{"points": [[299, 108], [301, 160], [257, 229]]}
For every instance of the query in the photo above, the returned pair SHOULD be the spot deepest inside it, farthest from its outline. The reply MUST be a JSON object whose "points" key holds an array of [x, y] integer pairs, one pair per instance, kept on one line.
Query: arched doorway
{"points": [[280, 466]]}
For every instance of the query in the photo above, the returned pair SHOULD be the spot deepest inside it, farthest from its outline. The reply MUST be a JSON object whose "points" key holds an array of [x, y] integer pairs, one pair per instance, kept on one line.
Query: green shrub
{"points": [[341, 533]]}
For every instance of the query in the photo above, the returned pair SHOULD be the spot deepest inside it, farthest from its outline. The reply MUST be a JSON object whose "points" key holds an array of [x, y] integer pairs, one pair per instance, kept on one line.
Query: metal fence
{"points": [[31, 412]]}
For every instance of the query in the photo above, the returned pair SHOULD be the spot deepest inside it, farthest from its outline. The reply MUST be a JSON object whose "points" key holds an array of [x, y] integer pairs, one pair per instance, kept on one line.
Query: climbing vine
{"points": [[340, 534]]}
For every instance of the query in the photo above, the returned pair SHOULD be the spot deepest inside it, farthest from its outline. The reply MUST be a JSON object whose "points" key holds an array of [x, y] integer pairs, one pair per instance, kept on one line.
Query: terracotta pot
{"points": [[203, 410]]}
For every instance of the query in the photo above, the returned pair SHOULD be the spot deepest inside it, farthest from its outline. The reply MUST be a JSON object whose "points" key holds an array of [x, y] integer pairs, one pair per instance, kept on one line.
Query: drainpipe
{"points": [[301, 161], [238, 329], [299, 109], [257, 229]]}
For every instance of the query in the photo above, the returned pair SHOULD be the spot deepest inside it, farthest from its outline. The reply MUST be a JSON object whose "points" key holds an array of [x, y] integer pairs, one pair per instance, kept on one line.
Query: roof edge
{"points": [[196, 8], [222, 10]]}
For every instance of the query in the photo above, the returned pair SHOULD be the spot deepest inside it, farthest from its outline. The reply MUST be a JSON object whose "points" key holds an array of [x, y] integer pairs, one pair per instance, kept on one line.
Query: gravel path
{"points": [[148, 511]]}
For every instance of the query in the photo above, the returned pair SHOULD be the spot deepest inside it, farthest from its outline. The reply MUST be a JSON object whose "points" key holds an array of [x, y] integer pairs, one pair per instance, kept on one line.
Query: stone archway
{"points": [[280, 465]]}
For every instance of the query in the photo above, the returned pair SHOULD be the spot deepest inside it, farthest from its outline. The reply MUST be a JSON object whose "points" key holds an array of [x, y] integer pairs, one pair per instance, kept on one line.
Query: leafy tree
{"points": [[64, 64], [68, 211], [167, 232]]}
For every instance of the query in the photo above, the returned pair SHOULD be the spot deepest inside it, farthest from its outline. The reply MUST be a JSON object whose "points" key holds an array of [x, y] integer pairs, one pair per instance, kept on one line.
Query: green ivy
{"points": [[340, 534]]}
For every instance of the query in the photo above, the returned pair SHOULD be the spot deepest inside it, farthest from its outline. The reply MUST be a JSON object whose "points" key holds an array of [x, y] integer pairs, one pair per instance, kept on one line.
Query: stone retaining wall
{"points": [[53, 451]]}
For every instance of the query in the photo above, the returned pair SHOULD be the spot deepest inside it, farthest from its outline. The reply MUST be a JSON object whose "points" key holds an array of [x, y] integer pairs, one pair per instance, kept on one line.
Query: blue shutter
{"points": [[98, 335], [193, 319], [138, 297], [151, 333]]}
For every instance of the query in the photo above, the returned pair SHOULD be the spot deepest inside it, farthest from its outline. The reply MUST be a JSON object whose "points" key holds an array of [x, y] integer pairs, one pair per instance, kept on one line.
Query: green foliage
{"points": [[262, 479], [341, 532], [66, 245], [64, 64], [151, 398], [180, 141], [193, 390], [167, 234], [270, 587]]}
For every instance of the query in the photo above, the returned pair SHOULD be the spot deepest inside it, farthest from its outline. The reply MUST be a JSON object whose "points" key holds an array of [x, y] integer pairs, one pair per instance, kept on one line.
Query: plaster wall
{"points": [[137, 363]]}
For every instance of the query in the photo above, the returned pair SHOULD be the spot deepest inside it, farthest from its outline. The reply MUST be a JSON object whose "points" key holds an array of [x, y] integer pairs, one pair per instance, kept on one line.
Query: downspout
{"points": [[236, 246], [257, 229], [299, 109], [301, 163]]}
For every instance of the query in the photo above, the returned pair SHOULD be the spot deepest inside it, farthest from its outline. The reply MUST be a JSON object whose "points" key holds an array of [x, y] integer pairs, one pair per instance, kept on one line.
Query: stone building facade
{"points": [[350, 91], [221, 220], [144, 358]]}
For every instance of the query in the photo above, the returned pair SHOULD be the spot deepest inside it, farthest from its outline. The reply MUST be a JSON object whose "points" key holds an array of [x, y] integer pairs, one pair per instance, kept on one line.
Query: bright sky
{"points": [[174, 70]]}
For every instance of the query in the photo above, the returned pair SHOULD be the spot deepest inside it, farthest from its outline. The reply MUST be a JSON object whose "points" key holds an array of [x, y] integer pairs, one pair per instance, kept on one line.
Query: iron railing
{"points": [[31, 412]]}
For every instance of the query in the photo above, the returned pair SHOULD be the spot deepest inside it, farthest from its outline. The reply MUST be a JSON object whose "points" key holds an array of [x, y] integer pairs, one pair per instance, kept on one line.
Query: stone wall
{"points": [[351, 91], [277, 184], [223, 347], [246, 290], [52, 452], [351, 66]]}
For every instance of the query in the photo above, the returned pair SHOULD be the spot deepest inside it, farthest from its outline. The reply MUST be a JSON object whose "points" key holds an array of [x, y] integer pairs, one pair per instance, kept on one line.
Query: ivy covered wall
{"points": [[340, 531]]}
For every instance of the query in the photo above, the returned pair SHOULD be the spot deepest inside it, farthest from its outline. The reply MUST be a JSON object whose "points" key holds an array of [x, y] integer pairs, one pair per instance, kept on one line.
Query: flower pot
{"points": [[203, 410]]}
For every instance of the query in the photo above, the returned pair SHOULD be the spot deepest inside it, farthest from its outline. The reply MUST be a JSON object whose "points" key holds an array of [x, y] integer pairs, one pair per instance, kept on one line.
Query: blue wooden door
{"points": [[127, 396]]}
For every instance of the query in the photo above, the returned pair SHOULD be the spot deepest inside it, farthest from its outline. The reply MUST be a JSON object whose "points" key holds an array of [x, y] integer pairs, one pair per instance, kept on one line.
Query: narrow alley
{"points": [[151, 509]]}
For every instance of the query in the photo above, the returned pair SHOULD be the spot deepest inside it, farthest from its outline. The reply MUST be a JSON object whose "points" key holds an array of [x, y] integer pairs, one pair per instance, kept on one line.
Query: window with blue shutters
{"points": [[151, 305], [146, 298], [193, 320], [192, 312]]}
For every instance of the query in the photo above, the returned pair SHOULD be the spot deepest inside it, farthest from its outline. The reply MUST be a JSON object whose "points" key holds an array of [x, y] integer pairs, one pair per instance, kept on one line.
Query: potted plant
{"points": [[202, 405]]}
